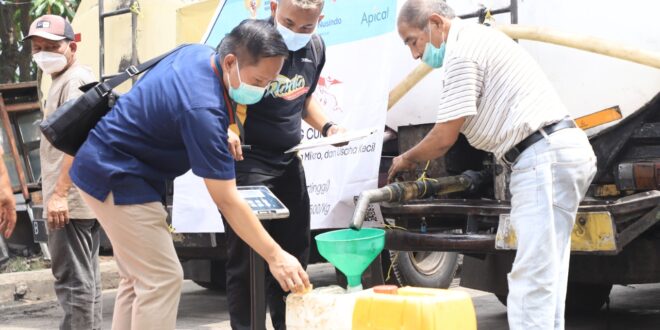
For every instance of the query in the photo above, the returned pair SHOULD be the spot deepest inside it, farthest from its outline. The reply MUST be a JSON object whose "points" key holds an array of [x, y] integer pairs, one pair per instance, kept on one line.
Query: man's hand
{"points": [[58, 212], [336, 129], [288, 272], [7, 209], [435, 144], [399, 164], [284, 267], [235, 145]]}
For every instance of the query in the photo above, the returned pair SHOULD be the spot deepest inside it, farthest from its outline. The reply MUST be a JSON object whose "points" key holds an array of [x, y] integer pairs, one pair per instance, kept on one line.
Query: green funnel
{"points": [[351, 251]]}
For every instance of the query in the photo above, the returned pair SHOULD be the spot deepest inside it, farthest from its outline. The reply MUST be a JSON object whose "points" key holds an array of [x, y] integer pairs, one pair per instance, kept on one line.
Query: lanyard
{"points": [[231, 106]]}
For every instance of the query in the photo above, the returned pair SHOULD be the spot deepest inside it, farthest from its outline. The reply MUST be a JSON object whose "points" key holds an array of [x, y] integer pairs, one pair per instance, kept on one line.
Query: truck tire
{"points": [[581, 297], [425, 269]]}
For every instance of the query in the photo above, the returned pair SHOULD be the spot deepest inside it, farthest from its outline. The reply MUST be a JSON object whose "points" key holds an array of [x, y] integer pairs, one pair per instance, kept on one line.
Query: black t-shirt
{"points": [[273, 125]]}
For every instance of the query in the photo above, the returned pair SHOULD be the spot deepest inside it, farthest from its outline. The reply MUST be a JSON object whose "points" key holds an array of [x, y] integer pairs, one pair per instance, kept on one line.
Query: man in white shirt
{"points": [[500, 99]]}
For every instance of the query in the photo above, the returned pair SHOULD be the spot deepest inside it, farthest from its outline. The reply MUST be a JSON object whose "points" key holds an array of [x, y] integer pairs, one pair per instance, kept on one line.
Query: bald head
{"points": [[416, 13], [424, 21]]}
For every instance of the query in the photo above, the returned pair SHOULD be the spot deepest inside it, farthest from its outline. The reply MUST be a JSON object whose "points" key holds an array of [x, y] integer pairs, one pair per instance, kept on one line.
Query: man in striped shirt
{"points": [[498, 97]]}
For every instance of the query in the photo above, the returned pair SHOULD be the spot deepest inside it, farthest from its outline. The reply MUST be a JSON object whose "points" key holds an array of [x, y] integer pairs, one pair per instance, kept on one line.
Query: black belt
{"points": [[512, 155]]}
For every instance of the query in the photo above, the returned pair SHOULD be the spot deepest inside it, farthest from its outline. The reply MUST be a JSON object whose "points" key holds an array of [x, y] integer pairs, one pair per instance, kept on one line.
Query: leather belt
{"points": [[512, 155]]}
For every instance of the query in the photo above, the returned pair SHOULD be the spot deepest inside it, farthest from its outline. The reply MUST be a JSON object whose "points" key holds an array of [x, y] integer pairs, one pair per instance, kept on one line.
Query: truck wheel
{"points": [[424, 269], [218, 280], [581, 297]]}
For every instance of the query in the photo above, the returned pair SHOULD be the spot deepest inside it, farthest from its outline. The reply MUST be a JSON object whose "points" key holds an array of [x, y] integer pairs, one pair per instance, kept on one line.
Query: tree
{"points": [[15, 19], [15, 59], [65, 8]]}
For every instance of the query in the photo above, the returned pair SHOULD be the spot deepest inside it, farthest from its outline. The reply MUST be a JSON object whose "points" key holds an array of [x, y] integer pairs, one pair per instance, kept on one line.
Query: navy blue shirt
{"points": [[172, 120]]}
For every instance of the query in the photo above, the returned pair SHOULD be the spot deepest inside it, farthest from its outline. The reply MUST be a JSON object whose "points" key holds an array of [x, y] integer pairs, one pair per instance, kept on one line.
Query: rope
{"points": [[388, 226], [396, 253], [489, 19], [424, 177], [135, 8], [389, 271], [426, 168]]}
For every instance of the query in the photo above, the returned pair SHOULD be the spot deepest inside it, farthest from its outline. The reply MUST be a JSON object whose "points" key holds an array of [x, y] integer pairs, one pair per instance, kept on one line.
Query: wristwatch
{"points": [[326, 127]]}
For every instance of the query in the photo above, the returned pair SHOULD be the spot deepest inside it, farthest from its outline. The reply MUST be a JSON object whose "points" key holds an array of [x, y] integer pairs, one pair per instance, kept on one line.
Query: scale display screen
{"points": [[263, 202]]}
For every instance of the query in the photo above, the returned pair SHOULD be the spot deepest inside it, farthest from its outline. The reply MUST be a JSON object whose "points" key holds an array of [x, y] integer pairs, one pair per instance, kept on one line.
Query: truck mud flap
{"points": [[592, 232]]}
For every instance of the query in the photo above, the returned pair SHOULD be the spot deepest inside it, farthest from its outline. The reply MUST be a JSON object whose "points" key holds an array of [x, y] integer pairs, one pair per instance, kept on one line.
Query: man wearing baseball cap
{"points": [[73, 240]]}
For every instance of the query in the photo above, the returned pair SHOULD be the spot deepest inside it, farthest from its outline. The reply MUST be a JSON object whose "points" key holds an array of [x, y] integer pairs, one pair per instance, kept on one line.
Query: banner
{"points": [[353, 90]]}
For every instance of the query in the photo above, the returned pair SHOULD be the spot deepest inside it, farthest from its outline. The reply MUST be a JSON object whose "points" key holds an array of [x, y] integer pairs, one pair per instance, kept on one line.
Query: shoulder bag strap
{"points": [[105, 87]]}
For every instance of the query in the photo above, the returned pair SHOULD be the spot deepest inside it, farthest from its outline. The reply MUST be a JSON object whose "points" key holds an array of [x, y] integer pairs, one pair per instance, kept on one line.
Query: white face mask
{"points": [[293, 40], [50, 62]]}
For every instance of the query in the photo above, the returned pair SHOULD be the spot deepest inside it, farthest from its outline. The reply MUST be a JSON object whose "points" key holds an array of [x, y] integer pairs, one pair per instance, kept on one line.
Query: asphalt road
{"points": [[631, 307]]}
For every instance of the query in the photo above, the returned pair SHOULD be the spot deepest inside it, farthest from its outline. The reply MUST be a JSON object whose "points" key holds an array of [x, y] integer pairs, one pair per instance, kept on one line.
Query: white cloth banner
{"points": [[353, 90]]}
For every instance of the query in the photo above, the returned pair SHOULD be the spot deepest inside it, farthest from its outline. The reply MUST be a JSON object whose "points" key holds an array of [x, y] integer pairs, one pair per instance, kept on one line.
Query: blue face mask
{"points": [[245, 94], [434, 56], [293, 40]]}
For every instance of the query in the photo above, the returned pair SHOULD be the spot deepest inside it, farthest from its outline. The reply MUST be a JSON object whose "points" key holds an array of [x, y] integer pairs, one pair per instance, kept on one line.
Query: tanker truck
{"points": [[461, 219]]}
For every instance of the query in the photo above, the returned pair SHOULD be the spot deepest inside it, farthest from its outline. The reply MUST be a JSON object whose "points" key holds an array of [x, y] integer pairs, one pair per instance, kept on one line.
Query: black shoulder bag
{"points": [[68, 126]]}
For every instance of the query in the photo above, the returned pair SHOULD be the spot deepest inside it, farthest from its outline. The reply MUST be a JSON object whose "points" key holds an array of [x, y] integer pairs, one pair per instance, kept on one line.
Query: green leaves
{"points": [[15, 19], [65, 8], [38, 7]]}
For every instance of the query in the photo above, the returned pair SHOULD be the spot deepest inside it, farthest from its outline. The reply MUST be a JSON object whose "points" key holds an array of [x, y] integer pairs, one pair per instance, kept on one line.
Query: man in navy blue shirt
{"points": [[272, 126], [174, 119]]}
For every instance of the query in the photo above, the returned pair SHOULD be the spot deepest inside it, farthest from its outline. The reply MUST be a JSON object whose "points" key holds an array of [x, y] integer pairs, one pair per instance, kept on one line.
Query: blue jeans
{"points": [[547, 183]]}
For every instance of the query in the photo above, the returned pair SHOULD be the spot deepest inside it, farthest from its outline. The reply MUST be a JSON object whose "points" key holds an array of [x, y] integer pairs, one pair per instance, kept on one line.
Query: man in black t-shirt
{"points": [[270, 127]]}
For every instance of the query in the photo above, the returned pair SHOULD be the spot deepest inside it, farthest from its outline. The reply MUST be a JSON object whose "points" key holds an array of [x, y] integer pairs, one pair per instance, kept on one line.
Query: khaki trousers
{"points": [[150, 272]]}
